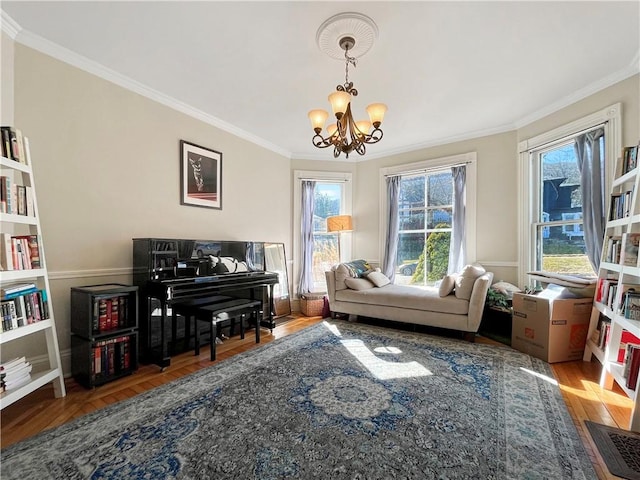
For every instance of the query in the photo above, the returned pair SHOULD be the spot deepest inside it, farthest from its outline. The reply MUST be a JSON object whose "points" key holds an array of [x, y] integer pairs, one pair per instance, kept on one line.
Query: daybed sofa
{"points": [[457, 304]]}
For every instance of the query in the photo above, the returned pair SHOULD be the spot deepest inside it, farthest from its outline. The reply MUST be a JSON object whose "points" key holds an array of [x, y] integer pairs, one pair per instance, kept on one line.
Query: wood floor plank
{"points": [[578, 381]]}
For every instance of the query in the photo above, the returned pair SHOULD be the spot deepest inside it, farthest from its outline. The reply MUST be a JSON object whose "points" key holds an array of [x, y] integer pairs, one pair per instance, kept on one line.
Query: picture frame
{"points": [[630, 158], [200, 176]]}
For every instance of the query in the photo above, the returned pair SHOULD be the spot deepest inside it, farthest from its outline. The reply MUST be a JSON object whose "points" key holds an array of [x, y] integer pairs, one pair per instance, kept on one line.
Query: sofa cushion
{"points": [[358, 283], [466, 279], [447, 284], [379, 279], [353, 269], [403, 296]]}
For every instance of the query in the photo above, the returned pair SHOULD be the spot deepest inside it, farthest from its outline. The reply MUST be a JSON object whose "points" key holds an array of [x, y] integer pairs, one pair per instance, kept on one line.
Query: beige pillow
{"points": [[358, 283], [447, 285], [379, 279], [341, 273], [466, 279]]}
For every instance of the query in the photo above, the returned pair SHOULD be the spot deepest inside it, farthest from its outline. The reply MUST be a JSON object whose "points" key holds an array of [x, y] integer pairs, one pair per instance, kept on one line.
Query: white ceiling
{"points": [[446, 70]]}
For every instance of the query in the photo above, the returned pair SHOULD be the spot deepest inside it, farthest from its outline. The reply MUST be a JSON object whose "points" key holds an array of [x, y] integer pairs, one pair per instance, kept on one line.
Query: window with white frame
{"points": [[331, 196], [425, 209], [552, 199]]}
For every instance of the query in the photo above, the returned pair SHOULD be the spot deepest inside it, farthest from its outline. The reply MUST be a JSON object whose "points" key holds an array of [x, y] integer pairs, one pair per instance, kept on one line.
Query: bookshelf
{"points": [[27, 311], [610, 329], [104, 332]]}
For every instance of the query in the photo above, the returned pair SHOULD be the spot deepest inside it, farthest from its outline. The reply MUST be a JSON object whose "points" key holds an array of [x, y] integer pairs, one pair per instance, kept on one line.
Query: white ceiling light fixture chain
{"points": [[347, 135]]}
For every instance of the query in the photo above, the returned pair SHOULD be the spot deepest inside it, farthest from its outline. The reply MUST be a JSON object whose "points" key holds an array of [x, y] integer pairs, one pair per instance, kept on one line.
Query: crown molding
{"points": [[8, 25]]}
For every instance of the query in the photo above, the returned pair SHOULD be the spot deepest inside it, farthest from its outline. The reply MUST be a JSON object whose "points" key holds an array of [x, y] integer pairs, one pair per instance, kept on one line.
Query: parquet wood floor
{"points": [[41, 411]]}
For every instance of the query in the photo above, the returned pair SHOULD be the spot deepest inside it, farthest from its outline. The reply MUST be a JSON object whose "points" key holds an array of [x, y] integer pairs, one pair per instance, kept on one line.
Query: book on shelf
{"points": [[12, 363], [630, 242], [629, 159], [110, 313], [633, 362], [110, 356], [6, 142], [612, 249], [632, 305], [12, 291], [626, 339]]}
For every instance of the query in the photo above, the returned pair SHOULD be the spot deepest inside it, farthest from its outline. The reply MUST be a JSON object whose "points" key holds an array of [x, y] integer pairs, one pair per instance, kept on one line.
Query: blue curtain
{"points": [[457, 253], [306, 229], [391, 238], [590, 159]]}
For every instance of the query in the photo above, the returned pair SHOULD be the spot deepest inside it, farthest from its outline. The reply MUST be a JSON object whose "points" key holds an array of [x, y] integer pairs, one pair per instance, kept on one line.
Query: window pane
{"points": [[563, 250], [411, 192], [560, 183], [411, 220], [440, 189], [439, 218], [327, 202]]}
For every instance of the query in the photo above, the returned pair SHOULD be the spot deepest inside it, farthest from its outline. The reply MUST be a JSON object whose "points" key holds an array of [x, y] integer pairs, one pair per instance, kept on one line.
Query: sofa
{"points": [[457, 303]]}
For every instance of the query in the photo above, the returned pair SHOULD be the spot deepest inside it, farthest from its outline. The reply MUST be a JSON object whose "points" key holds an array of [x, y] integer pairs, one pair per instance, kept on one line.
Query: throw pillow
{"points": [[349, 269], [358, 283], [447, 285], [466, 279], [379, 279]]}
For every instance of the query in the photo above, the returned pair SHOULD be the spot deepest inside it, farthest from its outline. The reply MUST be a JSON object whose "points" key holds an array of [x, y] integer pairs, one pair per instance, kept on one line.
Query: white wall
{"points": [[106, 168], [6, 79]]}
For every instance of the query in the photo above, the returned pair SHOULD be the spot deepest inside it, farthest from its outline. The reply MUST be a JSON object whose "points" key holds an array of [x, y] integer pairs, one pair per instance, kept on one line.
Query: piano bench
{"points": [[222, 313], [188, 309]]}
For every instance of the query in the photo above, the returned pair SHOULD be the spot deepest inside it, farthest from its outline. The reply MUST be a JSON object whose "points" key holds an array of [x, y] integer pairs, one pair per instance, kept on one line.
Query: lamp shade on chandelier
{"points": [[346, 134]]}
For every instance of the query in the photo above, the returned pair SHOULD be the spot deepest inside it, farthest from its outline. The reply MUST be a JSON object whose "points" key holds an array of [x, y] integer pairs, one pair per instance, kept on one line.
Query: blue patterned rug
{"points": [[338, 400]]}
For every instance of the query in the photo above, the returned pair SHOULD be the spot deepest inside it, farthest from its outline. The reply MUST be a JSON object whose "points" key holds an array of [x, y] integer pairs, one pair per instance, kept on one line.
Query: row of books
{"points": [[110, 313], [620, 205], [631, 308], [628, 352], [16, 199], [15, 146], [28, 307], [14, 373], [19, 252], [631, 364], [110, 357]]}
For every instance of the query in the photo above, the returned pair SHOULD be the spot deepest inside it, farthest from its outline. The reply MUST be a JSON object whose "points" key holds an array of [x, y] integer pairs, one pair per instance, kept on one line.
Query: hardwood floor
{"points": [[41, 411]]}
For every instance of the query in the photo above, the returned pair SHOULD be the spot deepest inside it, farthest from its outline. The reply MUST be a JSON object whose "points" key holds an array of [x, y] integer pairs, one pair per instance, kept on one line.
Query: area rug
{"points": [[620, 449], [337, 400]]}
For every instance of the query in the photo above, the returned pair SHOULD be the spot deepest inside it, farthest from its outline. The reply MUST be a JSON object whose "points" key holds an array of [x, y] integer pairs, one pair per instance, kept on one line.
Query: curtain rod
{"points": [[328, 180], [426, 170]]}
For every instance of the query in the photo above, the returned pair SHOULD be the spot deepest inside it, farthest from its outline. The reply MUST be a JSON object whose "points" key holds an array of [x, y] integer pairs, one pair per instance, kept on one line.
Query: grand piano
{"points": [[169, 271]]}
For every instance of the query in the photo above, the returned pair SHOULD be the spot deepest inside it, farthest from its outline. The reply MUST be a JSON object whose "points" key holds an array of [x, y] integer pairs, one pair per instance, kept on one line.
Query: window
{"points": [[331, 196], [425, 211], [552, 207]]}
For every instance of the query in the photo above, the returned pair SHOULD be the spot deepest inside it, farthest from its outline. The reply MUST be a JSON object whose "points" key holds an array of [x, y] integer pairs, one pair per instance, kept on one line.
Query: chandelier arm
{"points": [[375, 136], [320, 142]]}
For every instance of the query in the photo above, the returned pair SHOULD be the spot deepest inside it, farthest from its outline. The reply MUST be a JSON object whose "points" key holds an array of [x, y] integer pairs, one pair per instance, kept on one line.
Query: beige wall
{"points": [[106, 168], [6, 79]]}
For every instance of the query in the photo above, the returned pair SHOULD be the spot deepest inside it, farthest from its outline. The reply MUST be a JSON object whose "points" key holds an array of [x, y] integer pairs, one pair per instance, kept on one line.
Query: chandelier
{"points": [[346, 134]]}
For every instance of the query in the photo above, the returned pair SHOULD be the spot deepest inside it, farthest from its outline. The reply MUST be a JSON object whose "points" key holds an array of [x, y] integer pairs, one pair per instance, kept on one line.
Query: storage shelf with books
{"points": [[104, 332], [24, 284], [614, 330]]}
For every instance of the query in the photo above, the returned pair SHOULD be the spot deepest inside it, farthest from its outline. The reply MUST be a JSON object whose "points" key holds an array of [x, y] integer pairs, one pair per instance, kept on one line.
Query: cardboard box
{"points": [[553, 330]]}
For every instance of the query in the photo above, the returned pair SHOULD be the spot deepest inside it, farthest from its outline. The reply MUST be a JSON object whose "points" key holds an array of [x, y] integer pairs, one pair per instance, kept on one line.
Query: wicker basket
{"points": [[312, 305]]}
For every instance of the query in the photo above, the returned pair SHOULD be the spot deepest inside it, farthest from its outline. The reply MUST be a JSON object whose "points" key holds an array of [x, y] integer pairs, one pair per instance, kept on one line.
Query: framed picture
{"points": [[200, 176]]}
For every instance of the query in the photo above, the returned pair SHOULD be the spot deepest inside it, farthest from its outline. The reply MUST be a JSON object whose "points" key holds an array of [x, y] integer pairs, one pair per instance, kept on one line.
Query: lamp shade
{"points": [[339, 223], [376, 113], [339, 103], [318, 117]]}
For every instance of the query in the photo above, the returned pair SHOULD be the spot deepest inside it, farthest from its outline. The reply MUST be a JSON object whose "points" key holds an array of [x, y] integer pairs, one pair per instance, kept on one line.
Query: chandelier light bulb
{"points": [[318, 117], [339, 103], [363, 127], [376, 113]]}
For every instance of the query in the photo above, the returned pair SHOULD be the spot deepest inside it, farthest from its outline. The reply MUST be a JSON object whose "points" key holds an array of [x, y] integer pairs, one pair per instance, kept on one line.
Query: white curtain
{"points": [[590, 159], [457, 253], [306, 228], [391, 237]]}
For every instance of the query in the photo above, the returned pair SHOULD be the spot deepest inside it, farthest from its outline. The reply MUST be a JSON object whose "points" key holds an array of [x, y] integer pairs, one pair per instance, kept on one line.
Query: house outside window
{"points": [[551, 217]]}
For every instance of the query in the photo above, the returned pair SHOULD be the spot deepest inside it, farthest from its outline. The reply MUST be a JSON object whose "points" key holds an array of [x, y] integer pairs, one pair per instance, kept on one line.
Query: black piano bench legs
{"points": [[224, 313]]}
